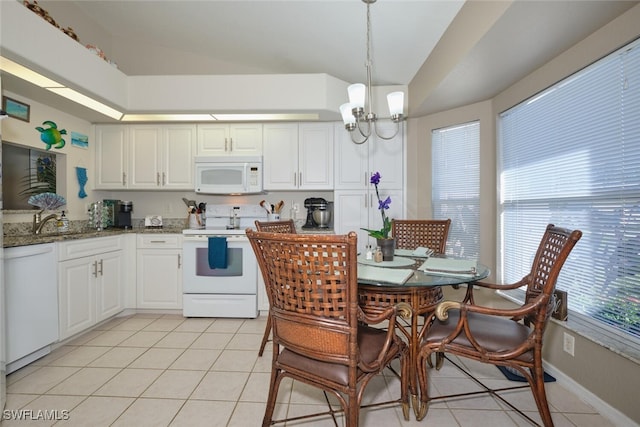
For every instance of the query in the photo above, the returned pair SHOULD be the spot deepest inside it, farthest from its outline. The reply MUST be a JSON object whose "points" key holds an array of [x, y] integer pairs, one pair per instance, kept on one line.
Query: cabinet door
{"points": [[387, 157], [76, 287], [213, 139], [144, 157], [109, 281], [280, 156], [351, 213], [111, 166], [351, 161], [178, 152], [246, 139], [159, 278], [315, 156]]}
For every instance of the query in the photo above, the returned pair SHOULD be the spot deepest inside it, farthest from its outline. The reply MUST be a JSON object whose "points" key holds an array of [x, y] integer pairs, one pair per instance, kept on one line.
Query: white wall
{"points": [[70, 156], [595, 370]]}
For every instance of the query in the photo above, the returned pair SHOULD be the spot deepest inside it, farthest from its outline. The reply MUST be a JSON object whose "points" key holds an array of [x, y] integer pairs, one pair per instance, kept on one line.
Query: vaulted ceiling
{"points": [[489, 45]]}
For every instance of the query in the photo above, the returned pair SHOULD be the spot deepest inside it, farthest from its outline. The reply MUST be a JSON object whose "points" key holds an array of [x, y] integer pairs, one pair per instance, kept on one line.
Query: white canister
{"points": [[273, 217]]}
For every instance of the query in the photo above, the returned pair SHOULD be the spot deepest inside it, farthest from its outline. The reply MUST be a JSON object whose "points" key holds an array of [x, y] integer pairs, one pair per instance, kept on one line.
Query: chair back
{"points": [[553, 250], [283, 226], [429, 233], [311, 282]]}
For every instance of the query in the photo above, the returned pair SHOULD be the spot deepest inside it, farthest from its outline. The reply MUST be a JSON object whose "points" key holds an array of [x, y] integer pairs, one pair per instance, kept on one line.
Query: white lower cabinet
{"points": [[90, 282], [159, 271]]}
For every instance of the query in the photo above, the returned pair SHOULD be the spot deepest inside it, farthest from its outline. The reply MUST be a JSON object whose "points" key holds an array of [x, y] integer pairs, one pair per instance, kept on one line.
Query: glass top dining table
{"points": [[420, 277], [421, 291]]}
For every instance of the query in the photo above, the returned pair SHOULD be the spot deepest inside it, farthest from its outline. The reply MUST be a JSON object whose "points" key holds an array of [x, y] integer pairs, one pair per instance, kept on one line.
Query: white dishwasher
{"points": [[31, 298]]}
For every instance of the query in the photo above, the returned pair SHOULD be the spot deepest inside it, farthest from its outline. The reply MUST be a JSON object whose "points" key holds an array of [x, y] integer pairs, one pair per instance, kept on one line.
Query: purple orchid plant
{"points": [[383, 205]]}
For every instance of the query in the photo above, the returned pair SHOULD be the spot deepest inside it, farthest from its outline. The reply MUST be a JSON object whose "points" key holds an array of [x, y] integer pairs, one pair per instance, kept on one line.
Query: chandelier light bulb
{"points": [[357, 93], [396, 103]]}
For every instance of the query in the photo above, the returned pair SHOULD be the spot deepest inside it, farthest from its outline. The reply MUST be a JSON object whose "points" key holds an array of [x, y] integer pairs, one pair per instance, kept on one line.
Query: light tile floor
{"points": [[166, 370]]}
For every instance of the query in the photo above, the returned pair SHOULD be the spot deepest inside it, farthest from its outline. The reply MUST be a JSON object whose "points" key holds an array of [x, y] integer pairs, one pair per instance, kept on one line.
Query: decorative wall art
{"points": [[79, 140], [81, 174], [16, 109], [51, 136]]}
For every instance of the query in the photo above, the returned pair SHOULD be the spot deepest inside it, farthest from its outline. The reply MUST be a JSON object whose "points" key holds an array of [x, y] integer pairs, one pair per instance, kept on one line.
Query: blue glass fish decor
{"points": [[51, 136], [81, 173]]}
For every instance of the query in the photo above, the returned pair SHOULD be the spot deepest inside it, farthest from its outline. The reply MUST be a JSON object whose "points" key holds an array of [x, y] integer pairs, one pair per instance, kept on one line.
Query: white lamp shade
{"points": [[396, 103], [357, 93], [347, 115]]}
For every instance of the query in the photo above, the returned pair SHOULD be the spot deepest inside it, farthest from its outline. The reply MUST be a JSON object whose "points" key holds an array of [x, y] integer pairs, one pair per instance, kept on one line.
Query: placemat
{"points": [[448, 266], [396, 262], [420, 252], [387, 275]]}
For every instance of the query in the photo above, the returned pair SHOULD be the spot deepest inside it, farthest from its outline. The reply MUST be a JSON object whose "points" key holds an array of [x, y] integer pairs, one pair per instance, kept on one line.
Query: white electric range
{"points": [[222, 292]]}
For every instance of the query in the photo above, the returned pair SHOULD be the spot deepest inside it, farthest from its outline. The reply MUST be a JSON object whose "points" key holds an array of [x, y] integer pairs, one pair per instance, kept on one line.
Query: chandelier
{"points": [[353, 112]]}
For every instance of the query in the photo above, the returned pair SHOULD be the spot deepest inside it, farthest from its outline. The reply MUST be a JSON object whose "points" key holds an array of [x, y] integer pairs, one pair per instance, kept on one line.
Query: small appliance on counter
{"points": [[318, 213], [122, 216], [153, 221]]}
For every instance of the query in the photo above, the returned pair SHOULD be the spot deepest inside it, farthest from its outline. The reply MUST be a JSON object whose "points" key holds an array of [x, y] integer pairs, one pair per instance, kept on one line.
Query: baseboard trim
{"points": [[609, 412]]}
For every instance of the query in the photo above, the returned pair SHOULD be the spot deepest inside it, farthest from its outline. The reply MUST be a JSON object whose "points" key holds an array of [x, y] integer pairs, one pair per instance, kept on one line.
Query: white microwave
{"points": [[228, 174]]}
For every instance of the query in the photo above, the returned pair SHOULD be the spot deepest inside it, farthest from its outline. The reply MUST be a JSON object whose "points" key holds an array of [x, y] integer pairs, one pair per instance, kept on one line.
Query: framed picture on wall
{"points": [[16, 109]]}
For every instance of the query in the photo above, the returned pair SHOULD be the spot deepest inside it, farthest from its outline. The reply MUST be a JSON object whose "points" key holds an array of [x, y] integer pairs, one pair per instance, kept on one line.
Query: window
{"points": [[571, 156], [456, 185]]}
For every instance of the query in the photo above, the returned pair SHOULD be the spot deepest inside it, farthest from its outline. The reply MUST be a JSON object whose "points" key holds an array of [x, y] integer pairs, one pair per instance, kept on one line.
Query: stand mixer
{"points": [[318, 213]]}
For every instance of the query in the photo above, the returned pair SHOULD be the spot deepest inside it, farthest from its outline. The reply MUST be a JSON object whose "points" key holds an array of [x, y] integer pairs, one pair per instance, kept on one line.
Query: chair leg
{"points": [[421, 362], [274, 385], [540, 395], [404, 384], [265, 337]]}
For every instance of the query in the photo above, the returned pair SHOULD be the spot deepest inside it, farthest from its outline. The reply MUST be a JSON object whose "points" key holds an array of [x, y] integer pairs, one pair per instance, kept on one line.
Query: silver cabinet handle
{"points": [[300, 179], [124, 179], [179, 261], [158, 179], [230, 144], [101, 272], [295, 179], [95, 269], [225, 144], [164, 179]]}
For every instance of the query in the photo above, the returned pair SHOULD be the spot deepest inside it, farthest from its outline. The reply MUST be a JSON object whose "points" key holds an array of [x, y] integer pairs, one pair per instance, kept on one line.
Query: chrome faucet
{"points": [[38, 223]]}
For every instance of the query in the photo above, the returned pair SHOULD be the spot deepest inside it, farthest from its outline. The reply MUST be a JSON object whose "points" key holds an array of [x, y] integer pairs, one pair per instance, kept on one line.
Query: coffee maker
{"points": [[318, 213], [122, 215]]}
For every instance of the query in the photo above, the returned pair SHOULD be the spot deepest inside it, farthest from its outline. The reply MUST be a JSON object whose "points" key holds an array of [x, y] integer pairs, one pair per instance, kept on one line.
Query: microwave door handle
{"points": [[245, 177]]}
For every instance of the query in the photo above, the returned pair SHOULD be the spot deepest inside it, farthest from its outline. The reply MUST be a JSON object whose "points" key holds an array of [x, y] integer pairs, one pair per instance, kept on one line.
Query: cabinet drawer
{"points": [[159, 241], [88, 247]]}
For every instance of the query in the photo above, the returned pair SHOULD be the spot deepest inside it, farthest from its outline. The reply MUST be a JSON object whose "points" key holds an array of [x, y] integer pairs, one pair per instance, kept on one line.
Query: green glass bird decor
{"points": [[51, 136]]}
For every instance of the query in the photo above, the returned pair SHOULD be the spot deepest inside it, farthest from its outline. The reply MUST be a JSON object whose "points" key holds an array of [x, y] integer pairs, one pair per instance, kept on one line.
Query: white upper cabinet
{"points": [[145, 157], [355, 163], [161, 157], [243, 139], [111, 156], [298, 156]]}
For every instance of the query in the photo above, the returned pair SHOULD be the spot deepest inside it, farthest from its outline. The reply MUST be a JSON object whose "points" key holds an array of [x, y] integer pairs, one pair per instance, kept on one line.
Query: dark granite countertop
{"points": [[10, 241]]}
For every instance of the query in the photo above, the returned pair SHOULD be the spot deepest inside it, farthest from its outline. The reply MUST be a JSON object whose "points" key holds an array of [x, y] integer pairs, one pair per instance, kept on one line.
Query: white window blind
{"points": [[571, 156], [456, 185]]}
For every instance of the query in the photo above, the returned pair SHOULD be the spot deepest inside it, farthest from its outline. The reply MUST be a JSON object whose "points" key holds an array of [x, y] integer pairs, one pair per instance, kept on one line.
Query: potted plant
{"points": [[386, 243]]}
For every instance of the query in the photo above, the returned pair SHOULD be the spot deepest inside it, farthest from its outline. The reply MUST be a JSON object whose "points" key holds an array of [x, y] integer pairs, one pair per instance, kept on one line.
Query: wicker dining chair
{"points": [[429, 233], [504, 337], [283, 226], [320, 334]]}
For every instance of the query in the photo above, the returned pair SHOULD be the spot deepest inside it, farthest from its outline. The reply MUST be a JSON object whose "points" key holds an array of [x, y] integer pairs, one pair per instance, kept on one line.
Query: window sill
{"points": [[592, 331]]}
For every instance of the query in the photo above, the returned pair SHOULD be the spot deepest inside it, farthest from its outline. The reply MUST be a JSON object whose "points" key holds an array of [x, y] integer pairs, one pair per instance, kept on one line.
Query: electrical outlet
{"points": [[568, 343], [560, 310]]}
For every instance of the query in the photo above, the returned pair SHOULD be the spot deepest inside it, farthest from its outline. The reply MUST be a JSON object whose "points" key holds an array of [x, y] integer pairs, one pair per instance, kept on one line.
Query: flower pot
{"points": [[387, 246]]}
